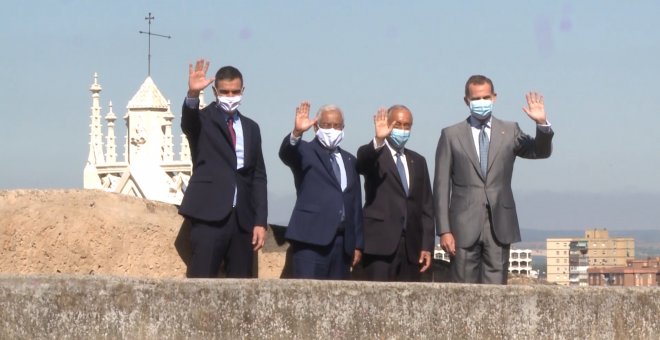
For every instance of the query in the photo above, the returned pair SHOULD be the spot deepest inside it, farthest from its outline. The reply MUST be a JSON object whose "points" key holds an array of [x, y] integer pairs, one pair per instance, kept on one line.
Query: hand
{"points": [[258, 237], [535, 108], [425, 259], [448, 243], [357, 256], [197, 78], [383, 129], [303, 123]]}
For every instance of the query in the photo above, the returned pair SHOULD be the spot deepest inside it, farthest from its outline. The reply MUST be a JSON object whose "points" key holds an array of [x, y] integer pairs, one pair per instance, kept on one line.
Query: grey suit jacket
{"points": [[459, 189]]}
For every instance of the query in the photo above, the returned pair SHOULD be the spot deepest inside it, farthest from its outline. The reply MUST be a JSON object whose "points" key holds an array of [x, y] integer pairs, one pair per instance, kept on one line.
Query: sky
{"points": [[595, 62]]}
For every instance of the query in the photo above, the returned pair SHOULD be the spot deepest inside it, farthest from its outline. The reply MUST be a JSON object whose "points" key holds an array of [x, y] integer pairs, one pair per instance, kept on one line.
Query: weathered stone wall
{"points": [[94, 307]]}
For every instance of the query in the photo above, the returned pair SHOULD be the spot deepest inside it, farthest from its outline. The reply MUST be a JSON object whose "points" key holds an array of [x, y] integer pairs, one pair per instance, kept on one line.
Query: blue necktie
{"points": [[484, 142], [337, 172], [335, 167], [402, 172]]}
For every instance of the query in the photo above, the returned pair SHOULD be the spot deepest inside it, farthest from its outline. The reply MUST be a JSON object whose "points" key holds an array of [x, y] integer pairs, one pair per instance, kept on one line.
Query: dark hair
{"points": [[228, 73], [478, 80]]}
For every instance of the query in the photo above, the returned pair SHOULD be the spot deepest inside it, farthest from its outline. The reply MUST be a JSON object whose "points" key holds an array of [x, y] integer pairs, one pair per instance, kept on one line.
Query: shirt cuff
{"points": [[294, 140], [376, 146], [546, 128], [192, 103]]}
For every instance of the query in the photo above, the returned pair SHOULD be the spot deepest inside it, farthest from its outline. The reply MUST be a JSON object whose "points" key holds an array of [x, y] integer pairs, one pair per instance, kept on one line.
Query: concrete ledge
{"points": [[93, 307]]}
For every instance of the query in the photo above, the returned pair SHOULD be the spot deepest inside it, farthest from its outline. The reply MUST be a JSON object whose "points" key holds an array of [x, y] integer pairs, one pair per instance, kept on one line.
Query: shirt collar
{"points": [[393, 151], [236, 115], [475, 123]]}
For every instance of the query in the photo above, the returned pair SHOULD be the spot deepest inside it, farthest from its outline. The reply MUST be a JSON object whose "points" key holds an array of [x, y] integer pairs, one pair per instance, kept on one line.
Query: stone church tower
{"points": [[149, 168]]}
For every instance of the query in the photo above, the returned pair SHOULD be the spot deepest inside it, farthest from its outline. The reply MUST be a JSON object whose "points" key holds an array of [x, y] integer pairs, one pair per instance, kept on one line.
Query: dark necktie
{"points": [[335, 167], [484, 142], [232, 133], [337, 172], [402, 172]]}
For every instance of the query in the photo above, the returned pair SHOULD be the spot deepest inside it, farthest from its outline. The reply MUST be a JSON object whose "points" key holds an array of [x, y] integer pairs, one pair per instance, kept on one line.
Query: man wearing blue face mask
{"points": [[325, 229], [225, 202], [398, 212], [475, 211]]}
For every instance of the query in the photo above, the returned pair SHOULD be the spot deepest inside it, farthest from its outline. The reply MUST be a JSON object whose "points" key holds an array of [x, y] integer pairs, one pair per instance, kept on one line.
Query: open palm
{"points": [[535, 108], [197, 80]]}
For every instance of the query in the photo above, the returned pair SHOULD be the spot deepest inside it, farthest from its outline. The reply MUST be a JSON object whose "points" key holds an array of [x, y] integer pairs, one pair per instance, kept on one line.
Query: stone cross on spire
{"points": [[150, 18]]}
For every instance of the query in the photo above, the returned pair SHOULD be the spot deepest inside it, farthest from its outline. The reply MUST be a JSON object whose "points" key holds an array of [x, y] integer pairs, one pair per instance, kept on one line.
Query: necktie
{"points": [[232, 133], [402, 172], [335, 167], [337, 172], [484, 142]]}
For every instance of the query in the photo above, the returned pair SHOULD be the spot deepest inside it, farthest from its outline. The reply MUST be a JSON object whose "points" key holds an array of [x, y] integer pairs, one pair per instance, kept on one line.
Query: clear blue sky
{"points": [[596, 63]]}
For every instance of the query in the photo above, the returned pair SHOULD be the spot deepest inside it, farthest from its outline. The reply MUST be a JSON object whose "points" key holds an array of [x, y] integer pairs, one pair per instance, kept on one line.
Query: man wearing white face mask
{"points": [[225, 201], [325, 229], [398, 212], [474, 208]]}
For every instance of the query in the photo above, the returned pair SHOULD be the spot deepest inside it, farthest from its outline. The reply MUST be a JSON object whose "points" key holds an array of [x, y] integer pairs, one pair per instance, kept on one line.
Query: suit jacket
{"points": [[317, 212], [210, 192], [460, 189], [387, 208]]}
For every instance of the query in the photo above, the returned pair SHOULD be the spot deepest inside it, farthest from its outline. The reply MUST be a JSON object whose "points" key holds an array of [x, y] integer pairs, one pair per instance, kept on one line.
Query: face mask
{"points": [[330, 138], [230, 104], [481, 109], [398, 138]]}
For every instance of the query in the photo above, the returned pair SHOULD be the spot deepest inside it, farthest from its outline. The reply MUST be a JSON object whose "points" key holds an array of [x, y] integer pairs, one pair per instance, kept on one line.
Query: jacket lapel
{"points": [[324, 157], [497, 134], [411, 166], [467, 142], [247, 137], [390, 163], [218, 118]]}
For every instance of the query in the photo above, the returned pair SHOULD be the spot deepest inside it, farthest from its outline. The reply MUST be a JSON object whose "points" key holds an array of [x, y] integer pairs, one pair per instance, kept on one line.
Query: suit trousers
{"points": [[328, 262], [486, 261], [216, 243], [395, 267]]}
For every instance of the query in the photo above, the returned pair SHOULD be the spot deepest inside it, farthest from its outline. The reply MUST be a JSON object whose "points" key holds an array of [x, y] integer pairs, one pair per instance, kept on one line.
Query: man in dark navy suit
{"points": [[226, 199], [325, 229]]}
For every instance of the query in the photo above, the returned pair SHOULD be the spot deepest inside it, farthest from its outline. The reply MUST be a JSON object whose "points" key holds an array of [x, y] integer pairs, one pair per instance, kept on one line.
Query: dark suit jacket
{"points": [[459, 188], [317, 212], [387, 206], [210, 192]]}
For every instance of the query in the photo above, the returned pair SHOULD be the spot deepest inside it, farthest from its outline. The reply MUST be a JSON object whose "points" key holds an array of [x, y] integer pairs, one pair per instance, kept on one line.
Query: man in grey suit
{"points": [[474, 207]]}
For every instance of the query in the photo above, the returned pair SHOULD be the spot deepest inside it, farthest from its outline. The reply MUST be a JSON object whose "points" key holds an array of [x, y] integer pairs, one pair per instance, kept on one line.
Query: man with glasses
{"points": [[325, 229], [225, 200]]}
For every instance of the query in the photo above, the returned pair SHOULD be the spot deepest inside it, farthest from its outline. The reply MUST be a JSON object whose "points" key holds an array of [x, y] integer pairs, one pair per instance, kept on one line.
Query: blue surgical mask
{"points": [[398, 138], [481, 108]]}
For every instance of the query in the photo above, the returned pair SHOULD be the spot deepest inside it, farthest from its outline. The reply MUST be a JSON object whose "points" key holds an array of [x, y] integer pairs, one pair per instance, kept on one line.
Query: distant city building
{"points": [[570, 259], [635, 273], [148, 168], [520, 261], [557, 268]]}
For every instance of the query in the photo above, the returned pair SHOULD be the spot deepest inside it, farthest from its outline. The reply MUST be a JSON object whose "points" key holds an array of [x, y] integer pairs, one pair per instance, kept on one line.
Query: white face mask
{"points": [[330, 138], [230, 104]]}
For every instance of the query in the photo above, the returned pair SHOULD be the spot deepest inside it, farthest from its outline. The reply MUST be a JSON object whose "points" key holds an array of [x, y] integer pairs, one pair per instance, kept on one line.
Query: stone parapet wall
{"points": [[97, 307]]}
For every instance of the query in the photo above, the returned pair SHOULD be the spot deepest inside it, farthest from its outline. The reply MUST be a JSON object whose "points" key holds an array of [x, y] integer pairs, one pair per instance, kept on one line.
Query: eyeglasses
{"points": [[336, 126]]}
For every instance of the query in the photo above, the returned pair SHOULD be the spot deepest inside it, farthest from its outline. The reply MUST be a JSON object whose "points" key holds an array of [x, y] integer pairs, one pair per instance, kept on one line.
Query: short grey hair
{"points": [[329, 107], [397, 107]]}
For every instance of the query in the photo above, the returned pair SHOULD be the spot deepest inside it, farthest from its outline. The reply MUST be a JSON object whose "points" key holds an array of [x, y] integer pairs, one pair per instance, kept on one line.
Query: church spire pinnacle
{"points": [[96, 135]]}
